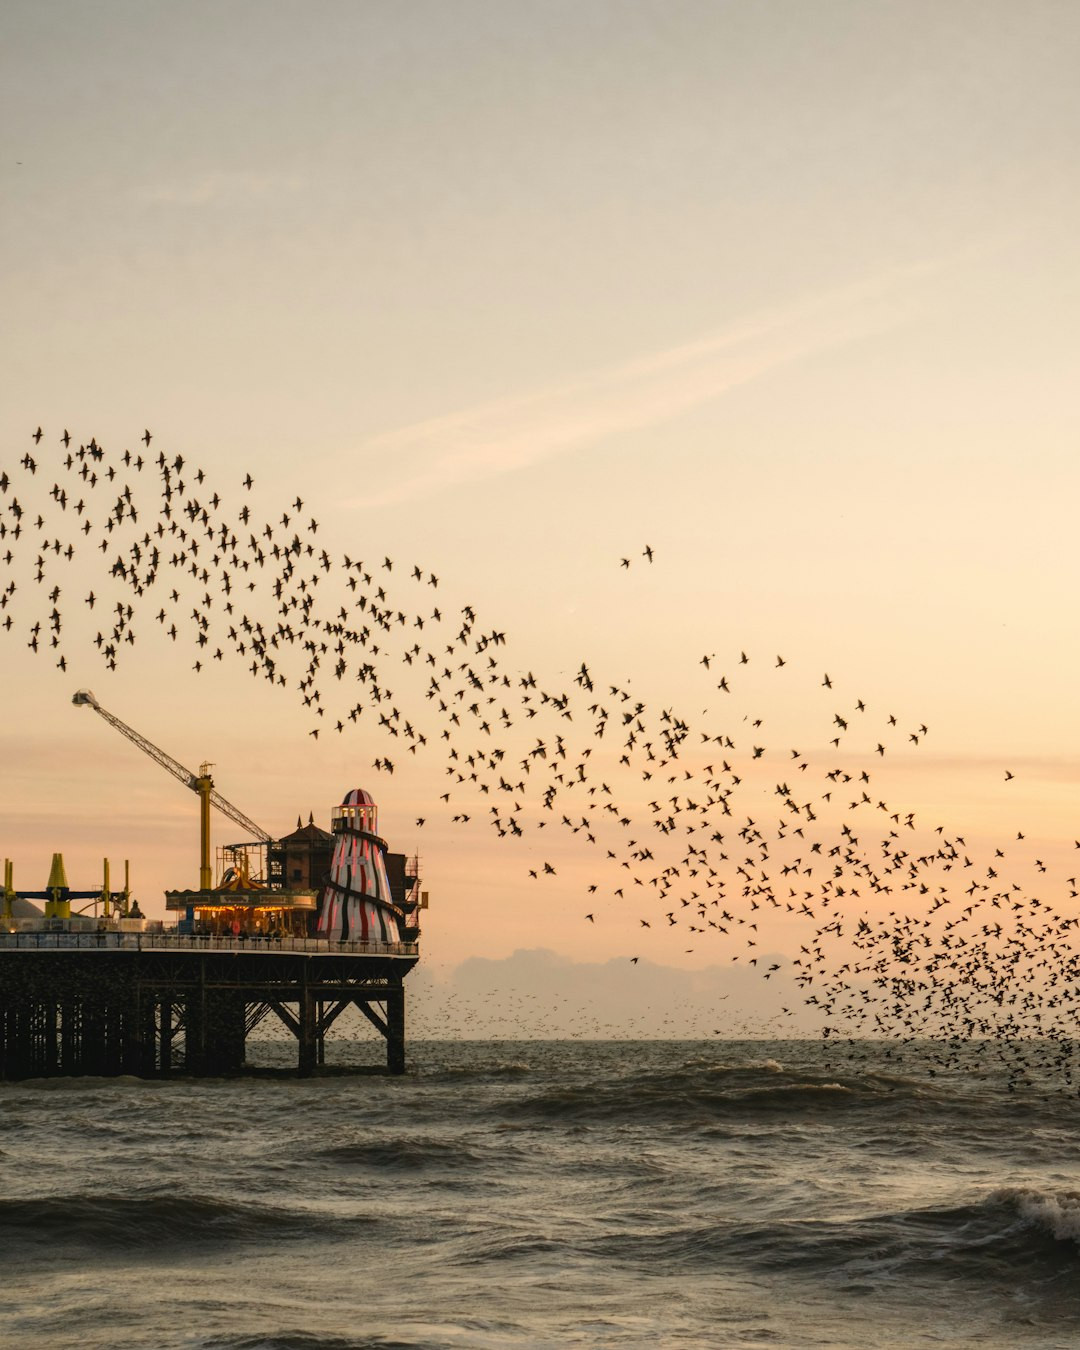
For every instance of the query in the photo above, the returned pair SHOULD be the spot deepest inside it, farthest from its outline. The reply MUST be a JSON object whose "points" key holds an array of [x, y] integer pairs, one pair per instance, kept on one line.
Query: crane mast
{"points": [[201, 784]]}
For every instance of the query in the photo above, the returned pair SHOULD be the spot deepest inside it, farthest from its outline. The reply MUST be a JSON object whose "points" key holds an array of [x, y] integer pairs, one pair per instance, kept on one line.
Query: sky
{"points": [[787, 293]]}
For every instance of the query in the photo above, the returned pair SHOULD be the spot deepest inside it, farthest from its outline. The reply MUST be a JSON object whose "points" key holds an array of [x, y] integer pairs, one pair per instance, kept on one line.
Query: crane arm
{"points": [[84, 698], [238, 818]]}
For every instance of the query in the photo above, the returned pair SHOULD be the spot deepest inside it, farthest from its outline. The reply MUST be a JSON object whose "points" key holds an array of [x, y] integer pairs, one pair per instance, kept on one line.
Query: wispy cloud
{"points": [[497, 437]]}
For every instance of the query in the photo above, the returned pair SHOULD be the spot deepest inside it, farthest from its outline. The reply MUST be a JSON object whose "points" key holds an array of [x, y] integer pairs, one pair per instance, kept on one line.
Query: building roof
{"points": [[308, 834]]}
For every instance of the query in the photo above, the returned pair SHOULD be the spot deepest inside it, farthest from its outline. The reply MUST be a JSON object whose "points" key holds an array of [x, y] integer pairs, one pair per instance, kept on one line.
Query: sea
{"points": [[549, 1194]]}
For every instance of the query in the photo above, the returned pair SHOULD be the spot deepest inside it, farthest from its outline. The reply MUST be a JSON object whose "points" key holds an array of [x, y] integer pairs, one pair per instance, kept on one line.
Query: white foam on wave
{"points": [[481, 1069], [813, 1087], [726, 1066], [1059, 1214]]}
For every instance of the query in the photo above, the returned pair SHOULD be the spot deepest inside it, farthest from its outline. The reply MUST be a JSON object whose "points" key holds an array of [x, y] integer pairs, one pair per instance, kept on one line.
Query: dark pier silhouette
{"points": [[152, 1005]]}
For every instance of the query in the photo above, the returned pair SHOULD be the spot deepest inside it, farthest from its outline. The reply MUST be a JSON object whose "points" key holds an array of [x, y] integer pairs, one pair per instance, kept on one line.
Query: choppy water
{"points": [[545, 1194]]}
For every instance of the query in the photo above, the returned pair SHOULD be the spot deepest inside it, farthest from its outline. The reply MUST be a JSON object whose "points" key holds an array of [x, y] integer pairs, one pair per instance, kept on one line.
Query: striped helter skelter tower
{"points": [[356, 902]]}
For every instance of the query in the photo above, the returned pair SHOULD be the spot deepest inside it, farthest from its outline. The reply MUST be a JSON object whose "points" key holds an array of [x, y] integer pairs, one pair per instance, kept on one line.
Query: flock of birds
{"points": [[902, 931]]}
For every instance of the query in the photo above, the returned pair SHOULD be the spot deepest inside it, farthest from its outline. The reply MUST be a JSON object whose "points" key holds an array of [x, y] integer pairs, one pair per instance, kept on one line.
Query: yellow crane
{"points": [[201, 784]]}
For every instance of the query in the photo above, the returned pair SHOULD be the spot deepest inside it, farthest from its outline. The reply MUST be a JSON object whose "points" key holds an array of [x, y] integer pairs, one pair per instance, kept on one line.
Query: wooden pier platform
{"points": [[156, 1004]]}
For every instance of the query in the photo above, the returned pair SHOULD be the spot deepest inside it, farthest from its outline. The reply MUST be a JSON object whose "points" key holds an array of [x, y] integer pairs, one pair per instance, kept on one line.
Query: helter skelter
{"points": [[357, 902]]}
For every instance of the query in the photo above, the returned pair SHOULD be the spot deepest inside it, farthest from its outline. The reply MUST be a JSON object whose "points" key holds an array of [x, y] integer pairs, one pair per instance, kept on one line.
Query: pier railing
{"points": [[177, 942]]}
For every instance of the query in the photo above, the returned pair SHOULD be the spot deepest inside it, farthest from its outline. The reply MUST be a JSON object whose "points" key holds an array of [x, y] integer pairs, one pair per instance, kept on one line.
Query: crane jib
{"points": [[199, 783]]}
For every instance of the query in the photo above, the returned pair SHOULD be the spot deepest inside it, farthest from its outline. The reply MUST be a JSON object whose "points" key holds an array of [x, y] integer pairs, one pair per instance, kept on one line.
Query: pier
{"points": [[155, 1004]]}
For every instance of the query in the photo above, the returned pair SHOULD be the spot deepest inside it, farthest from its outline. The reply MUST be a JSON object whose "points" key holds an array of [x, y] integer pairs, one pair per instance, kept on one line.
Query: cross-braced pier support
{"points": [[151, 1011]]}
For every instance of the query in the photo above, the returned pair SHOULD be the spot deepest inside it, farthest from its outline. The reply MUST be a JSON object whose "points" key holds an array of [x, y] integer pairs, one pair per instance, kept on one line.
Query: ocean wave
{"points": [[713, 1092], [407, 1155], [68, 1084], [1009, 1238], [480, 1073], [136, 1223], [765, 1065], [524, 1248], [303, 1340], [711, 1065], [1057, 1214]]}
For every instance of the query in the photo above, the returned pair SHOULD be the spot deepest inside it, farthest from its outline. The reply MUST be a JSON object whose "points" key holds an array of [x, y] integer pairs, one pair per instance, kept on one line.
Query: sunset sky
{"points": [[787, 292]]}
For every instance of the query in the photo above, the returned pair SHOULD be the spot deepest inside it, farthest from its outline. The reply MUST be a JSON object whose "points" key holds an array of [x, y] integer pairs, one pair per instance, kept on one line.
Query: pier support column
{"points": [[195, 1027], [92, 1050], [140, 1045], [50, 1062], [166, 1037], [24, 1042], [70, 1021], [215, 1037], [113, 1046], [229, 1029], [395, 1029], [307, 1034]]}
